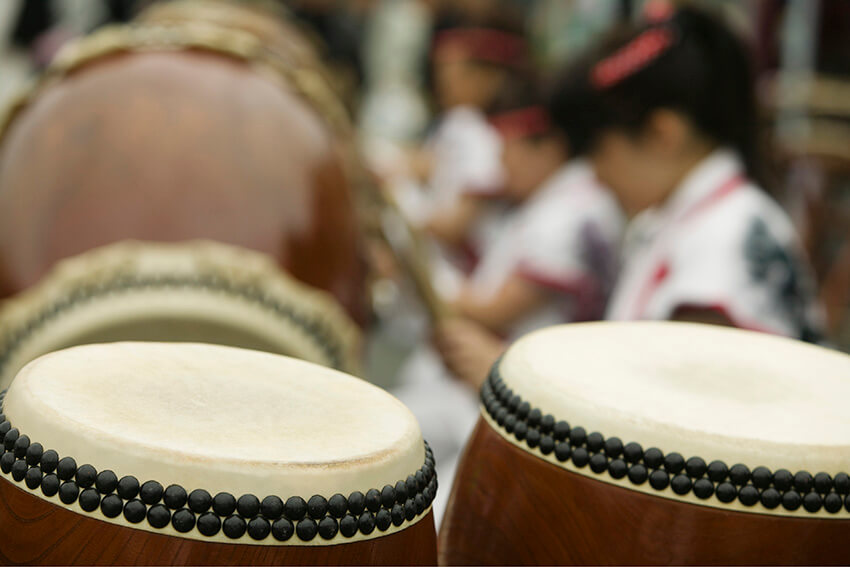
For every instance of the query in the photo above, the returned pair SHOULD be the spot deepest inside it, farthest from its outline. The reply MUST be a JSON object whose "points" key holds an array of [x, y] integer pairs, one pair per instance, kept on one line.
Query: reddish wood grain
{"points": [[508, 507], [34, 531], [172, 146]]}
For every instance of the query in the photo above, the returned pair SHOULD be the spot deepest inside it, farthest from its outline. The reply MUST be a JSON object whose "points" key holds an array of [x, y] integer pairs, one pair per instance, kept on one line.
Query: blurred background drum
{"points": [[167, 453], [663, 443], [196, 291], [173, 133]]}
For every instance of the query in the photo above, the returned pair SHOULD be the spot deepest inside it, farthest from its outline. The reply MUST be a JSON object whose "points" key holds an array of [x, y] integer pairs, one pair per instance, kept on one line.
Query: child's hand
{"points": [[468, 349]]}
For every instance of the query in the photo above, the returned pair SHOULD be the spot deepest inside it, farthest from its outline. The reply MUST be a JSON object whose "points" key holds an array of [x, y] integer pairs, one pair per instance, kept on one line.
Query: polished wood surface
{"points": [[509, 507], [34, 531], [171, 146]]}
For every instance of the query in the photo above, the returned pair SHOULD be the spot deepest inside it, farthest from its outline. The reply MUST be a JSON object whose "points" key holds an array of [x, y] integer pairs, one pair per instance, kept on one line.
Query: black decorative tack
{"points": [[174, 497], [561, 430], [271, 507], [618, 468], [771, 498], [49, 461], [397, 515], [348, 524], [739, 474], [151, 492], [547, 444], [111, 506], [823, 482], [34, 453], [10, 438], [726, 492], [842, 483], [717, 471], [547, 423], [383, 519], [532, 438], [33, 478], [209, 524], [595, 441], [22, 443], [791, 500], [19, 470], [50, 484], [653, 458], [234, 527], [695, 467], [633, 452], [762, 477], [812, 502], [248, 506], [613, 447], [338, 505], [598, 463], [703, 489], [783, 480], [681, 484], [282, 529], [411, 483], [106, 482], [409, 509], [159, 516], [366, 523], [521, 430], [659, 479], [803, 481], [135, 511], [373, 500], [224, 504], [89, 500], [580, 457], [200, 501], [128, 487], [317, 506], [357, 502], [259, 529], [832, 503], [86, 475], [307, 529], [577, 436], [6, 462], [183, 520], [66, 468], [68, 492], [328, 528], [400, 491], [563, 451], [674, 463], [749, 495], [638, 474]]}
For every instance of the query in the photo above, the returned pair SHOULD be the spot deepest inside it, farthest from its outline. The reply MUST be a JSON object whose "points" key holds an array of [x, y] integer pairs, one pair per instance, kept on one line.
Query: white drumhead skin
{"points": [[218, 418], [700, 390]]}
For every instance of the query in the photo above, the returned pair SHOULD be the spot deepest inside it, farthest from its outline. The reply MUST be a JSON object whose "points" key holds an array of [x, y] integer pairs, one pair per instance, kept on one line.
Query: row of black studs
{"points": [[39, 468], [213, 283], [715, 479]]}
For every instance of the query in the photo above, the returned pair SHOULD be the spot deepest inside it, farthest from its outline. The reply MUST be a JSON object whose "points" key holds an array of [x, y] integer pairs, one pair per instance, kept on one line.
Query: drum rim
{"points": [[248, 519], [80, 281], [593, 455]]}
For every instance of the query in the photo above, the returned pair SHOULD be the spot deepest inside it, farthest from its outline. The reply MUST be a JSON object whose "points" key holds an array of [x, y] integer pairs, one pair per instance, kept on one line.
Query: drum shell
{"points": [[46, 534], [171, 146], [508, 507]]}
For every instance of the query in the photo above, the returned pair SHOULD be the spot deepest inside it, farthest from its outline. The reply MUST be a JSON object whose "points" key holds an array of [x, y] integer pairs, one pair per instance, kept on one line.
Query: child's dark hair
{"points": [[691, 62]]}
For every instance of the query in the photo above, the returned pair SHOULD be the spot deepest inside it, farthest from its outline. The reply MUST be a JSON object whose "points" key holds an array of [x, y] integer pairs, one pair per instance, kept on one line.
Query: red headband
{"points": [[522, 123], [483, 44], [632, 57]]}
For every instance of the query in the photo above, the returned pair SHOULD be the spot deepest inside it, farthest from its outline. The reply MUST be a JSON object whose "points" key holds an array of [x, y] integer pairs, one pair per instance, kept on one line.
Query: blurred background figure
{"points": [[668, 115]]}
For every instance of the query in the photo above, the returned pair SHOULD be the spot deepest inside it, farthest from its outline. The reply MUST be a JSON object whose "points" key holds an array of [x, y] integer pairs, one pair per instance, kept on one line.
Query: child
{"points": [[553, 259], [668, 116]]}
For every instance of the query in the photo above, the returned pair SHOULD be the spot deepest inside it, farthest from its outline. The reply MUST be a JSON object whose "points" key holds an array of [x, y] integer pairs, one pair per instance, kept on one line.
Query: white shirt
{"points": [[719, 243], [564, 238]]}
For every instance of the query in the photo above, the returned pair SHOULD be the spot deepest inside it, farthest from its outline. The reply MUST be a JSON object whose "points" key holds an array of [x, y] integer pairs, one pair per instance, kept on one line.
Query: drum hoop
{"points": [[313, 316], [170, 512], [739, 488]]}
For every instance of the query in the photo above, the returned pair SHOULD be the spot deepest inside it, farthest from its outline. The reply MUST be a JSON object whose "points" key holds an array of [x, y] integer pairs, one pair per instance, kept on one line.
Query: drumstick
{"points": [[405, 241]]}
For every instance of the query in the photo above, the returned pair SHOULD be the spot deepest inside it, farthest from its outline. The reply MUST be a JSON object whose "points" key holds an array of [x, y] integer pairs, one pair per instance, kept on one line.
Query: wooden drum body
{"points": [[170, 134], [666, 444], [208, 455]]}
